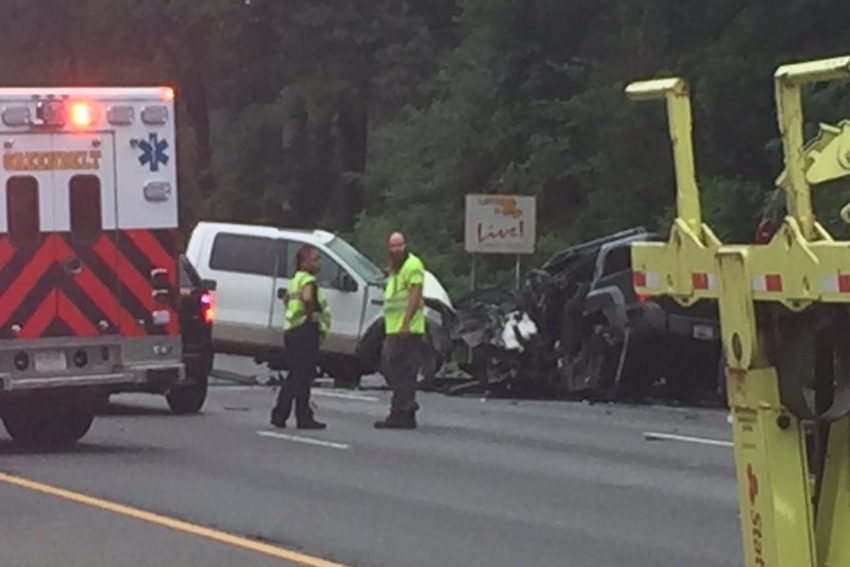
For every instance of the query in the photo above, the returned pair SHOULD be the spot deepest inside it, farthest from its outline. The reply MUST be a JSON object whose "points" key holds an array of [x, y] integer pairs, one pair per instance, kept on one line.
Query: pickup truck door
{"points": [[374, 305], [346, 306], [243, 267], [284, 266]]}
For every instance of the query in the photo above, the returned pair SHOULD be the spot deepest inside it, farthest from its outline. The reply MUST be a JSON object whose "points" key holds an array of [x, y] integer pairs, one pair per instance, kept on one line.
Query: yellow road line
{"points": [[164, 521]]}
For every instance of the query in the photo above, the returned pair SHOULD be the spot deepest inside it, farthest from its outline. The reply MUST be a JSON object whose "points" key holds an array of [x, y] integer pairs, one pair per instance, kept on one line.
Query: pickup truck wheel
{"points": [[347, 378], [429, 370], [188, 399], [346, 371], [50, 425]]}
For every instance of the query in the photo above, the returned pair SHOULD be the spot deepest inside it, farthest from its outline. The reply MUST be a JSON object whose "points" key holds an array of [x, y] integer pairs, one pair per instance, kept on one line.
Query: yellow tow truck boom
{"points": [[785, 322]]}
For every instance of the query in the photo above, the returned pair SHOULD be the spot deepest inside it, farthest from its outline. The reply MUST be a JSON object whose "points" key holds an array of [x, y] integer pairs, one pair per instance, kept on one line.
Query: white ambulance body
{"points": [[88, 253]]}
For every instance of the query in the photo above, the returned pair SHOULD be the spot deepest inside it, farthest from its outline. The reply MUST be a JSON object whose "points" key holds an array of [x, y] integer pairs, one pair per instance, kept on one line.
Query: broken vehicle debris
{"points": [[576, 328]]}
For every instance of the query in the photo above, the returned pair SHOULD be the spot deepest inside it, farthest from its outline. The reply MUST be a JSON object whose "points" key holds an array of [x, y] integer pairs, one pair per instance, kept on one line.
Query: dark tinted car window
{"points": [[244, 254], [618, 260], [328, 273]]}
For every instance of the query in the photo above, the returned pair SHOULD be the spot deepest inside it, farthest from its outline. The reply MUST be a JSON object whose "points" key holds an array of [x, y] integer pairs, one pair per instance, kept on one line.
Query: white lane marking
{"points": [[655, 436], [305, 440], [344, 396], [262, 387]]}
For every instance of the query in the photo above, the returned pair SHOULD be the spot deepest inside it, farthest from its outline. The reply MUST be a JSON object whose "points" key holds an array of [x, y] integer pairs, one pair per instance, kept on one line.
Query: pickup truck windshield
{"points": [[364, 267]]}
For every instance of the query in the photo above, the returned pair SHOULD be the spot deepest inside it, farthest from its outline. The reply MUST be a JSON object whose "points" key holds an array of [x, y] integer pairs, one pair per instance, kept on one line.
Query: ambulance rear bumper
{"points": [[12, 384], [134, 380], [113, 363]]}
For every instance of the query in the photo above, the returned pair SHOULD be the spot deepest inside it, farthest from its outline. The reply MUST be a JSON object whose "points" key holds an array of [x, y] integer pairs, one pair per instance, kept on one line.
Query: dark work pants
{"points": [[302, 356], [402, 360]]}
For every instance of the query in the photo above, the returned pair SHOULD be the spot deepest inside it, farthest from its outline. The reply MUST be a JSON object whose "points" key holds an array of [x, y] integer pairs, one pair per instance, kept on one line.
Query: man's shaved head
{"points": [[396, 249]]}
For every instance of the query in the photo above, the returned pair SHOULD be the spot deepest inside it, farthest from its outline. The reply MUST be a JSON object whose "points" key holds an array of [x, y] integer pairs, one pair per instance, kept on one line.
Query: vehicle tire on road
{"points": [[347, 376], [427, 375], [188, 399], [48, 423]]}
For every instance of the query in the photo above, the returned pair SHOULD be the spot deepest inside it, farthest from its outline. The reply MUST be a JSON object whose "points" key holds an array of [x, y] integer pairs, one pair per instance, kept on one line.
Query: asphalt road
{"points": [[495, 483]]}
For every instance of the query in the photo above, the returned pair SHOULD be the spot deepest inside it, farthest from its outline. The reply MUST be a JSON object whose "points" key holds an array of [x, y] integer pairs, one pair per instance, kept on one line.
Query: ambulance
{"points": [[88, 254]]}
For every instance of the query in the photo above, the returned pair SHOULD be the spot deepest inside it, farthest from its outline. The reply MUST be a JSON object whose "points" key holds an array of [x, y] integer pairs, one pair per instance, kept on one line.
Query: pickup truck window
{"points": [[286, 258], [362, 265], [329, 272], [617, 260], [244, 254]]}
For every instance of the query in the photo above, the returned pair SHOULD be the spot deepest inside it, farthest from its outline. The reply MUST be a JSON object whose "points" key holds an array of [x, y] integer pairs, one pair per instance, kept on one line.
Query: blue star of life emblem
{"points": [[153, 152]]}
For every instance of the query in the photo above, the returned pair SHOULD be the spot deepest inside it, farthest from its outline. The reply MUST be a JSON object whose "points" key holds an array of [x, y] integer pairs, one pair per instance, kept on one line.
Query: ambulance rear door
{"points": [[28, 275], [84, 196]]}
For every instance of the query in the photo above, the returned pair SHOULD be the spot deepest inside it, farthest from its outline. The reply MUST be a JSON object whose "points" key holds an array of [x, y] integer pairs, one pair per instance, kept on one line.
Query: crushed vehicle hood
{"points": [[435, 291]]}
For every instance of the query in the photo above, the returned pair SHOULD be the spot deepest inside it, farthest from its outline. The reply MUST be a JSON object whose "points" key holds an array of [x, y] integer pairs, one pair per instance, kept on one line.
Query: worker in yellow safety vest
{"points": [[308, 320], [404, 326]]}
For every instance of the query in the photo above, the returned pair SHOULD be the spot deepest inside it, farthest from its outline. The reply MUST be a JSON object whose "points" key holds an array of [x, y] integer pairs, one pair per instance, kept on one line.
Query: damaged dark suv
{"points": [[578, 329]]}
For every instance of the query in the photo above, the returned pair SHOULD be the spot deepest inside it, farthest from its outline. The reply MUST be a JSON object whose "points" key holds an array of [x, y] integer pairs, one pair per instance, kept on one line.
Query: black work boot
{"points": [[309, 422], [277, 420], [398, 420]]}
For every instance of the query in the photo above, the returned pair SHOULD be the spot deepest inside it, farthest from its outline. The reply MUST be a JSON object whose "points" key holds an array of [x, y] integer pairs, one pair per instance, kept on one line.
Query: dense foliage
{"points": [[363, 115]]}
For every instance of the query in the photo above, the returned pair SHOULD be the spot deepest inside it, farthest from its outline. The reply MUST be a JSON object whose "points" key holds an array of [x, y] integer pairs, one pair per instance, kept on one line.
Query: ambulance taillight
{"points": [[82, 114]]}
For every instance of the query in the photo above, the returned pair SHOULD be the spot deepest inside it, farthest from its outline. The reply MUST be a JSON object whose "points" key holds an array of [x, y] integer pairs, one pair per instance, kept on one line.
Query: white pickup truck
{"points": [[252, 265]]}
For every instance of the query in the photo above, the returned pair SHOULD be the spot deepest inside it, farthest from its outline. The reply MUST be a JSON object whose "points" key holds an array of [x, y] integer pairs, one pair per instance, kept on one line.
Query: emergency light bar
{"points": [[155, 114], [58, 111], [82, 114], [50, 113], [120, 115], [16, 116]]}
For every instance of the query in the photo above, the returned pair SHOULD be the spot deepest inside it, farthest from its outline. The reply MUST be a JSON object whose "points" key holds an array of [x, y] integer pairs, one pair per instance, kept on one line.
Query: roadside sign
{"points": [[500, 224]]}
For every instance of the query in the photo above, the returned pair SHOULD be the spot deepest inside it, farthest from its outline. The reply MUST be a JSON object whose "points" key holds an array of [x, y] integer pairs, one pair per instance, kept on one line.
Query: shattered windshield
{"points": [[364, 267]]}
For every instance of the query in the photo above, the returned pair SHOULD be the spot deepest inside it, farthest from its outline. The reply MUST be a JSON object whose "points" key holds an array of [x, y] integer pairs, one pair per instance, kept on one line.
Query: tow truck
{"points": [[785, 329], [88, 254]]}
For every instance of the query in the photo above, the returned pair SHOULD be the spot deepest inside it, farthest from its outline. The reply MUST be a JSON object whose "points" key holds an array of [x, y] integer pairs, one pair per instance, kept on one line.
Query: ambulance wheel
{"points": [[188, 399], [46, 425]]}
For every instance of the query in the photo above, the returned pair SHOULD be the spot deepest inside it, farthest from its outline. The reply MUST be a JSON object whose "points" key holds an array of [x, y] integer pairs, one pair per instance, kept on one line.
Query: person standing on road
{"points": [[404, 325], [308, 319]]}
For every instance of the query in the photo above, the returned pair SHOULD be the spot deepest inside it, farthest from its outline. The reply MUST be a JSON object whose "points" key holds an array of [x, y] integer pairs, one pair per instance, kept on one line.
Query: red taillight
{"points": [[82, 114], [643, 298], [207, 308]]}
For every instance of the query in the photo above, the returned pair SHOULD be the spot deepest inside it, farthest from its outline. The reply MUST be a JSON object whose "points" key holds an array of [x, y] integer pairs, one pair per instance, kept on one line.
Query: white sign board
{"points": [[500, 224]]}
